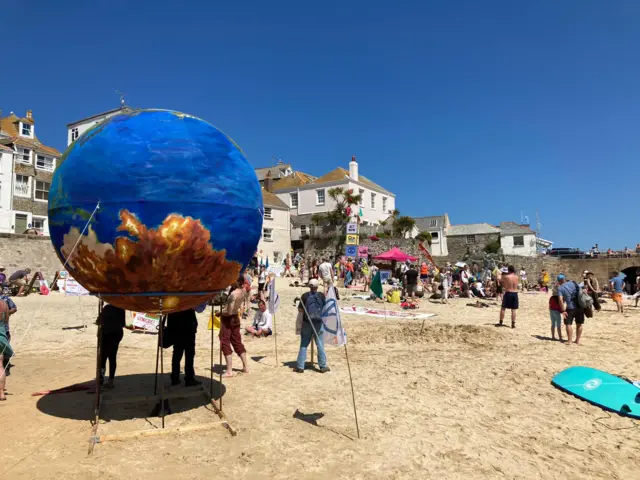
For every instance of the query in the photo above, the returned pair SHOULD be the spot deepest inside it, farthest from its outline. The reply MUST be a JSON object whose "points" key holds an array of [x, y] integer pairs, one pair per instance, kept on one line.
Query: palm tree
{"points": [[344, 199], [403, 225]]}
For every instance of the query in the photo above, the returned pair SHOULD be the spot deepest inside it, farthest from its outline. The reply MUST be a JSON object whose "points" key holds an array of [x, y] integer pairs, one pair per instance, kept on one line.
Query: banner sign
{"points": [[73, 288], [146, 321], [374, 312], [363, 252], [351, 250], [352, 239], [352, 228]]}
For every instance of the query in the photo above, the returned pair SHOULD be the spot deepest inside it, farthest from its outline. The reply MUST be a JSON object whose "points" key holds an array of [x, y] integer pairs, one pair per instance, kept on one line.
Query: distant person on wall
{"points": [[592, 287], [617, 291], [510, 295], [20, 278]]}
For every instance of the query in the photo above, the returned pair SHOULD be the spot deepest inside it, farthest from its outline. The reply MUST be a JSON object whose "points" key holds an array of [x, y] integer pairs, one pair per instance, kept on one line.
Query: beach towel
{"points": [[374, 312]]}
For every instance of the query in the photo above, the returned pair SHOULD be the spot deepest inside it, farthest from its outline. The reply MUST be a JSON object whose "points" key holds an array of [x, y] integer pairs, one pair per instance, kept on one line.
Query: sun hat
{"points": [[313, 283]]}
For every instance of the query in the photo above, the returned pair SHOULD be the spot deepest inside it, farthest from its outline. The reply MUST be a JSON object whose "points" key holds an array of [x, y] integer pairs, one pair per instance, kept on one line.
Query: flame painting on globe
{"points": [[155, 204]]}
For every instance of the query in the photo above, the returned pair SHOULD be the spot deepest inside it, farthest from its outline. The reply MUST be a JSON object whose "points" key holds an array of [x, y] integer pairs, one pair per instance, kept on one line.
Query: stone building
{"points": [[471, 238], [437, 226], [32, 169]]}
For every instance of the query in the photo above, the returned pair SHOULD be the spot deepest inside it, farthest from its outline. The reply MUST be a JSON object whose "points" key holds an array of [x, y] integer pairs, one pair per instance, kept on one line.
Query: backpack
{"points": [[583, 299], [314, 305]]}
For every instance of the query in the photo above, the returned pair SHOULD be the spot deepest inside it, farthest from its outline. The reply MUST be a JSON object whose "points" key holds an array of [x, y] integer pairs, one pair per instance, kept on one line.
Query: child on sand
{"points": [[555, 312]]}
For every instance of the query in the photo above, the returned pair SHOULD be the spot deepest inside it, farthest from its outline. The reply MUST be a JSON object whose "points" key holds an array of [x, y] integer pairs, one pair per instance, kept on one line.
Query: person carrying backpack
{"points": [[569, 300], [311, 306]]}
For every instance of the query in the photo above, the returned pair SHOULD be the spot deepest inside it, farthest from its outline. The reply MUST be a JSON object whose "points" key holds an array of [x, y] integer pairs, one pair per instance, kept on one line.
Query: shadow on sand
{"points": [[79, 405]]}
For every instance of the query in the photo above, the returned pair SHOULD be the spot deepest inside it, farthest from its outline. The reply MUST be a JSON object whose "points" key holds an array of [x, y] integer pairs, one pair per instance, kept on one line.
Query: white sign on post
{"points": [[352, 228], [73, 288]]}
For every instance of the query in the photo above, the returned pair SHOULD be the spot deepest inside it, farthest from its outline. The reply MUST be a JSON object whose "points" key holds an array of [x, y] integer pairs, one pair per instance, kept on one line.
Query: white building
{"points": [[275, 242], [6, 175], [307, 196], [77, 128], [27, 167], [517, 239], [437, 226]]}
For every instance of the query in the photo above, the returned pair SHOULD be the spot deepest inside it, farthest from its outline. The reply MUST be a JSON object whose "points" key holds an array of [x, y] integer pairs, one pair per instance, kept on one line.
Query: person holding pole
{"points": [[311, 305]]}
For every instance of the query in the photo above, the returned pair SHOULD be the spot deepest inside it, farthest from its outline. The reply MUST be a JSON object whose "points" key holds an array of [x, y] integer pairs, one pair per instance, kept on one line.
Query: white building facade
{"points": [[275, 242], [77, 128], [437, 226], [518, 239], [26, 171], [313, 198]]}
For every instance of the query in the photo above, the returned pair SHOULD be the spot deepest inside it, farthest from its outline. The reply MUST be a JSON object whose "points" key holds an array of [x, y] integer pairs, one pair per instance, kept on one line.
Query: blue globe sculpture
{"points": [[152, 207]]}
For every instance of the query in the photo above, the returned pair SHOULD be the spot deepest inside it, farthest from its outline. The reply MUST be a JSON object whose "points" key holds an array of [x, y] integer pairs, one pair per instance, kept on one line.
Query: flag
{"points": [[274, 298], [376, 285], [333, 333], [424, 250]]}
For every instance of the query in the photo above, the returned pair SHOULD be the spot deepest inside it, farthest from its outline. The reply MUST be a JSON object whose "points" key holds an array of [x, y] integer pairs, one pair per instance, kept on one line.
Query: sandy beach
{"points": [[464, 399]]}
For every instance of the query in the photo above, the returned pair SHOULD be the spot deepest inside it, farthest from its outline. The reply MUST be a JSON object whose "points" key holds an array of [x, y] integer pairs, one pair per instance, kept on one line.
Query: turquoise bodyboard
{"points": [[601, 389]]}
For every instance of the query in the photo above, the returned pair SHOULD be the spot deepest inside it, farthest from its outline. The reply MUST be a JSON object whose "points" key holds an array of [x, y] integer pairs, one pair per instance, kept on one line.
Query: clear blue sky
{"points": [[481, 109]]}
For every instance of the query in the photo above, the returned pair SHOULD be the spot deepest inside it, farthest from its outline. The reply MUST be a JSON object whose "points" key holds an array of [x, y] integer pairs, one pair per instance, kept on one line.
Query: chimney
{"points": [[268, 182], [29, 114], [353, 169]]}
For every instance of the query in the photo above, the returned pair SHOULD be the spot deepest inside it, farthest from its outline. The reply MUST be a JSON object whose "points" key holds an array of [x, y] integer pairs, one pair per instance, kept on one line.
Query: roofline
{"points": [[277, 207], [98, 115]]}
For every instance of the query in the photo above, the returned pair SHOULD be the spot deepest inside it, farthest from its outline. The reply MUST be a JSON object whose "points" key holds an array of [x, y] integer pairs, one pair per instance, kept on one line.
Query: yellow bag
{"points": [[216, 323]]}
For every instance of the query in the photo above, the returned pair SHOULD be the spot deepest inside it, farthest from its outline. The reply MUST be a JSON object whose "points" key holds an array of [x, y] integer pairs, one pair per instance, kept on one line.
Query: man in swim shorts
{"points": [[510, 295]]}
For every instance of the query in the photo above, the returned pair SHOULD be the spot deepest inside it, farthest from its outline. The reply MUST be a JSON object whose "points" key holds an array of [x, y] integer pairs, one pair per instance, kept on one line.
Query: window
{"points": [[24, 156], [433, 222], [361, 192], [267, 234], [26, 130], [268, 213], [21, 187], [320, 197], [434, 236], [384, 204], [74, 134], [518, 241], [471, 239], [38, 223], [303, 230], [45, 163], [373, 201], [294, 200], [42, 190]]}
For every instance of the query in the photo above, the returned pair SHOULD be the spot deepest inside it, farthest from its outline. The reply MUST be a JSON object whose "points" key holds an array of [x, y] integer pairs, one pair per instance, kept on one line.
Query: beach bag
{"points": [[314, 306], [584, 300]]}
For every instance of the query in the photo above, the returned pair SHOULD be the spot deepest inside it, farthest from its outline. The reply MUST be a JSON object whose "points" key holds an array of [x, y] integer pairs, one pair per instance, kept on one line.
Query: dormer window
{"points": [[26, 130]]}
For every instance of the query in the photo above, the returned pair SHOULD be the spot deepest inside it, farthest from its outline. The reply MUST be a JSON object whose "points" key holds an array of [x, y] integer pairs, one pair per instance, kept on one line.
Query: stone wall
{"points": [[318, 248], [28, 251]]}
